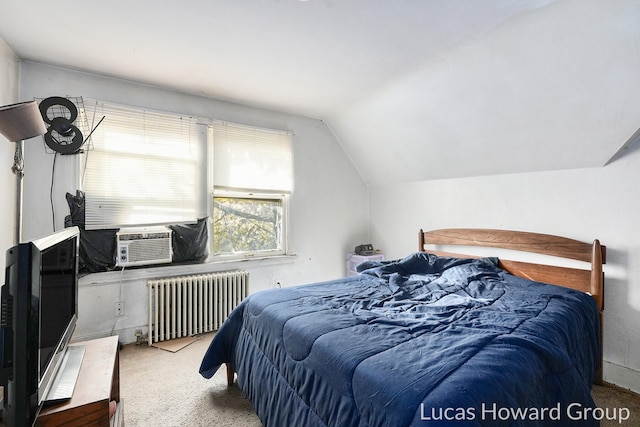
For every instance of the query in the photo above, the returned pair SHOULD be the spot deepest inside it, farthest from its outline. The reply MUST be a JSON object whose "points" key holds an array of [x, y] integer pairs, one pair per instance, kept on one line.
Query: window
{"points": [[150, 168], [246, 224], [144, 169], [252, 180]]}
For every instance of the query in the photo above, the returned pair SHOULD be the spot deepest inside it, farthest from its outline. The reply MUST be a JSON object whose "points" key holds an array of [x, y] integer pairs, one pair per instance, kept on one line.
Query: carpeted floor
{"points": [[613, 399], [161, 388]]}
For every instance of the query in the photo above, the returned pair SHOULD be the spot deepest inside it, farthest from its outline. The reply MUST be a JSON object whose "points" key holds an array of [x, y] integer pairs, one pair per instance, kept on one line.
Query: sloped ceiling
{"points": [[413, 89]]}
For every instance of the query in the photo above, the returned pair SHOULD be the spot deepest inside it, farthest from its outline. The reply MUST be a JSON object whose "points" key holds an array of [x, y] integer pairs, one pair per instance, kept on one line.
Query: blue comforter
{"points": [[423, 341]]}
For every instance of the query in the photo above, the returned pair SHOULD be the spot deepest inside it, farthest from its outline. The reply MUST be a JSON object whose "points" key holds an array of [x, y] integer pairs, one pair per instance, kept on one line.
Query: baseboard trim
{"points": [[621, 377], [621, 389], [126, 335]]}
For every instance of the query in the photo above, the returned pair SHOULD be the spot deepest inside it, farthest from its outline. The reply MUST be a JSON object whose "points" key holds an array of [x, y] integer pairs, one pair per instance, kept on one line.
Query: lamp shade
{"points": [[21, 121]]}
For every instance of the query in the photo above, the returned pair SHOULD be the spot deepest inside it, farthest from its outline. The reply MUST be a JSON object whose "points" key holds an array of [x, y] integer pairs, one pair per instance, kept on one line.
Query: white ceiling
{"points": [[413, 89]]}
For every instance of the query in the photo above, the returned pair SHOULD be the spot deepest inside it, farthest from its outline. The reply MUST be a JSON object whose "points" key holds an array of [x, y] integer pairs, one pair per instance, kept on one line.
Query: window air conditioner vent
{"points": [[143, 247]]}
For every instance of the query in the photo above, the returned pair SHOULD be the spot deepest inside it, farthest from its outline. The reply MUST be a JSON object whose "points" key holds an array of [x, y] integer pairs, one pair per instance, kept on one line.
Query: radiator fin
{"points": [[190, 305]]}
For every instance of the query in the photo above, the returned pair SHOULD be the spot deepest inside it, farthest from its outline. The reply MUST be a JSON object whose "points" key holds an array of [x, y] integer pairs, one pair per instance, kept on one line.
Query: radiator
{"points": [[189, 305]]}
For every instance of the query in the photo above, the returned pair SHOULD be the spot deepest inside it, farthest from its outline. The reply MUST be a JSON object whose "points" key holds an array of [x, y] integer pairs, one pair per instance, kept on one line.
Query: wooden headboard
{"points": [[589, 280]]}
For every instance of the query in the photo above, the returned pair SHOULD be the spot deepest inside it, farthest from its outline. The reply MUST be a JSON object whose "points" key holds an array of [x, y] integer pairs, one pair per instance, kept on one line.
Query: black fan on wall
{"points": [[66, 121]]}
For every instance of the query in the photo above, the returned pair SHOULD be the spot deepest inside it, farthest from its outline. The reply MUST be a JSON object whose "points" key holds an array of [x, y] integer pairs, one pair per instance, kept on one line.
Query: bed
{"points": [[435, 338]]}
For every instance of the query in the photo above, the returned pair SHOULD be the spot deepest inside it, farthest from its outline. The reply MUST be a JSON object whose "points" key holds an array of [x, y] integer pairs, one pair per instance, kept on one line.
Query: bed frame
{"points": [[589, 280]]}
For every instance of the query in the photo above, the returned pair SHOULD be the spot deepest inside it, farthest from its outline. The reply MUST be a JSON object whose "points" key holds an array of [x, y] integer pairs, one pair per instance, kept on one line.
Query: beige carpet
{"points": [[161, 388], [613, 398]]}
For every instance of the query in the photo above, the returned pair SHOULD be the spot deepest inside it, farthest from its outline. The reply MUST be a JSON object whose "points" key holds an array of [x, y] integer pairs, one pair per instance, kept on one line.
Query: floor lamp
{"points": [[19, 122]]}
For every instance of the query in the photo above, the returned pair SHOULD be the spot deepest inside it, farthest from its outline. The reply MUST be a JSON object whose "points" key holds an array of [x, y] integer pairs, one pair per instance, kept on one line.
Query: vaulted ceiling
{"points": [[413, 89]]}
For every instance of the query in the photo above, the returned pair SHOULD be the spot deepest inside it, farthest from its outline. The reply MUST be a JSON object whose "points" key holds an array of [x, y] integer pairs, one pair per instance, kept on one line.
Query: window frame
{"points": [[258, 195], [243, 193]]}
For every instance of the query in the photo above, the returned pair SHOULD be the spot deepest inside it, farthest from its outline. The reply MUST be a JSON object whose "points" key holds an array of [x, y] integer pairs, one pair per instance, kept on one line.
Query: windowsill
{"points": [[127, 275]]}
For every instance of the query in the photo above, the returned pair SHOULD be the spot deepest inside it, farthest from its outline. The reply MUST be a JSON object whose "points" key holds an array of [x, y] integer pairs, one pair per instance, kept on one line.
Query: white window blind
{"points": [[143, 168], [251, 158]]}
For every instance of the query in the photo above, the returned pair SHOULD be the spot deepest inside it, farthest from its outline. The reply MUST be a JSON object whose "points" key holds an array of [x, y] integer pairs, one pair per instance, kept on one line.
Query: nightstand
{"points": [[353, 260]]}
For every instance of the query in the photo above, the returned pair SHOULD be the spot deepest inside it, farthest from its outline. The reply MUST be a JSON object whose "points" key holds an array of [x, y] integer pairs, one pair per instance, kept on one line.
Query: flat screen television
{"points": [[39, 315]]}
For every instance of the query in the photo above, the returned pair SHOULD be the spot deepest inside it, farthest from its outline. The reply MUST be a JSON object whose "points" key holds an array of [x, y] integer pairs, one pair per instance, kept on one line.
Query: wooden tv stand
{"points": [[98, 384]]}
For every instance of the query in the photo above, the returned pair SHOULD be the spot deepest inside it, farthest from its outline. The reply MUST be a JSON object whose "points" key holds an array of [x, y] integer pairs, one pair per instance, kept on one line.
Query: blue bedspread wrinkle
{"points": [[423, 341]]}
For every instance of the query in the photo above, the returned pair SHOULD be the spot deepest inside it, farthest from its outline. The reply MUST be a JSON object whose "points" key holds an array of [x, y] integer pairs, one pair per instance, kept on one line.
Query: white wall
{"points": [[555, 88], [8, 95], [584, 204], [329, 206]]}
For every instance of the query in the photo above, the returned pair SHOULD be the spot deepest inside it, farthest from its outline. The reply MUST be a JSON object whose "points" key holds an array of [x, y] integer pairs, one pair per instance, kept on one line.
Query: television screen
{"points": [[57, 297], [39, 314]]}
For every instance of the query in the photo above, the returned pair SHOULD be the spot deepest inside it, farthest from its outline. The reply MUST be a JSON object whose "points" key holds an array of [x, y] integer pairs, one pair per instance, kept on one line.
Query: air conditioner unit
{"points": [[143, 246]]}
